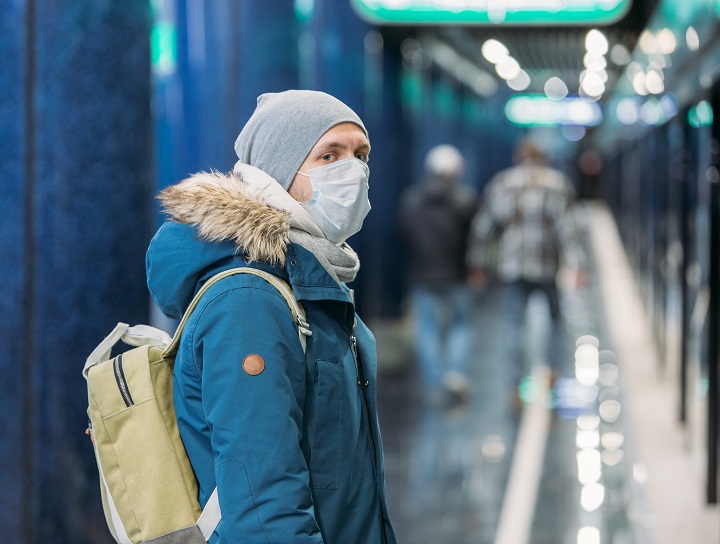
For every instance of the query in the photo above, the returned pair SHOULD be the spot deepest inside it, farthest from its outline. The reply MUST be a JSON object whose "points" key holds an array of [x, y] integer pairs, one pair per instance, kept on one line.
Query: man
{"points": [[529, 208], [290, 439], [435, 217]]}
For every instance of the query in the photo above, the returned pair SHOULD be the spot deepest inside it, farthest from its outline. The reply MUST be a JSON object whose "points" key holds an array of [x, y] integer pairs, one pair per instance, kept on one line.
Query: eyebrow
{"points": [[326, 146]]}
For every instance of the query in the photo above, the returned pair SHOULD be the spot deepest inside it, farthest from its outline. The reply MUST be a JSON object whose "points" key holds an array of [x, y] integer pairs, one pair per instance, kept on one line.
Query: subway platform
{"points": [[599, 459]]}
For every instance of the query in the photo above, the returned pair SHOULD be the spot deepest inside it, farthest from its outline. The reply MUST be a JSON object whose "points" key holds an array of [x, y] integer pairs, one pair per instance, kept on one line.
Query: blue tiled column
{"points": [[228, 53], [268, 51], [352, 63], [76, 179], [379, 285], [12, 256], [340, 52]]}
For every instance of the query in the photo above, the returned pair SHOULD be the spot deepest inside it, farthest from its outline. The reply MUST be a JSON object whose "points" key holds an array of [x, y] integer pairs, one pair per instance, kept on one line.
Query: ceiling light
{"points": [[596, 42], [610, 410], [508, 68], [648, 43], [573, 134], [594, 62], [592, 497], [602, 75], [619, 54], [494, 51], [588, 423], [640, 473], [588, 535], [410, 48], [650, 112], [612, 440], [612, 457], [632, 69], [638, 84], [592, 83], [654, 82], [587, 440], [627, 113], [657, 60], [666, 41], [588, 98], [609, 371], [519, 83], [692, 39], [589, 463], [587, 339], [555, 88]]}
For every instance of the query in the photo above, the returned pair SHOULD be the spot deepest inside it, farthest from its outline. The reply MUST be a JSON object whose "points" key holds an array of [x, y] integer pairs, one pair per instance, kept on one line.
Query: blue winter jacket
{"points": [[295, 451]]}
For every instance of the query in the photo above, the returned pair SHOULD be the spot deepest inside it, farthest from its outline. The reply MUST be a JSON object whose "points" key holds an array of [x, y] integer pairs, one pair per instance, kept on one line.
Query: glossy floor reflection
{"points": [[447, 469]]}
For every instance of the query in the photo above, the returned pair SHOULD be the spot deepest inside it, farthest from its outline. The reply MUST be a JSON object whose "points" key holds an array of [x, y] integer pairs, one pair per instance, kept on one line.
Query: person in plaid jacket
{"points": [[527, 217]]}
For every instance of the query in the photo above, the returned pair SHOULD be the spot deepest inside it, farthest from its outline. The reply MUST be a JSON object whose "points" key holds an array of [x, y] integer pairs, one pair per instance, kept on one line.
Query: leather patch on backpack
{"points": [[253, 364]]}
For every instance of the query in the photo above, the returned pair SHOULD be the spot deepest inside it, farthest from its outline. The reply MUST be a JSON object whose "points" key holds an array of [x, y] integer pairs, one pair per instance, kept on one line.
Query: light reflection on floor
{"points": [[447, 469]]}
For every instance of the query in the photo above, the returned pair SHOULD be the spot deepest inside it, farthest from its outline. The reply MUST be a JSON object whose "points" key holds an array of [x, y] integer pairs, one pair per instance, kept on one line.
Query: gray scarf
{"points": [[341, 262]]}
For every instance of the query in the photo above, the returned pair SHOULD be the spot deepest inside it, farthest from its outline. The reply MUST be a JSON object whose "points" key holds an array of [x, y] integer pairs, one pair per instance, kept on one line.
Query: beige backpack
{"points": [[148, 487]]}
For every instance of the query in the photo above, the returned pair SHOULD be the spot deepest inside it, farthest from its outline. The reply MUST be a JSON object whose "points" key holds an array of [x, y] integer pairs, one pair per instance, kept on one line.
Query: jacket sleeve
{"points": [[255, 419], [483, 228]]}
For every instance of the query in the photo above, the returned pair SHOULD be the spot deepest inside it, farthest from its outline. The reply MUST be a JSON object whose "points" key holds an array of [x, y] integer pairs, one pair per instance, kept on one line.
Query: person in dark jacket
{"points": [[435, 217], [289, 437]]}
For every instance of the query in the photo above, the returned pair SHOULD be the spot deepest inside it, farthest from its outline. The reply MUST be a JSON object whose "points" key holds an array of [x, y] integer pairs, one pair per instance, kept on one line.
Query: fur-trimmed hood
{"points": [[247, 217], [222, 208]]}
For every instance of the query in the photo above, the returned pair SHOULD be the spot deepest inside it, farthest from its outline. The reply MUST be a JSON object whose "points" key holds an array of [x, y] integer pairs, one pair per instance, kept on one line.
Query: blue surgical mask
{"points": [[339, 200]]}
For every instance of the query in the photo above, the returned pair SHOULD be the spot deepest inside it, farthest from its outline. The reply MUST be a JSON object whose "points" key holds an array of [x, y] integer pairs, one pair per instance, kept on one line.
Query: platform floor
{"points": [[578, 464]]}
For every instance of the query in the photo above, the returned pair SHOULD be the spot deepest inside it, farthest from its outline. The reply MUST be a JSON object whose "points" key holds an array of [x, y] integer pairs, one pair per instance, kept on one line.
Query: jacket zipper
{"points": [[121, 381], [362, 385]]}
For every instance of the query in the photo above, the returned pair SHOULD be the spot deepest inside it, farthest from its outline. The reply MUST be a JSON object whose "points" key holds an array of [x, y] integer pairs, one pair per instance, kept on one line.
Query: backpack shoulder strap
{"points": [[211, 515], [287, 293]]}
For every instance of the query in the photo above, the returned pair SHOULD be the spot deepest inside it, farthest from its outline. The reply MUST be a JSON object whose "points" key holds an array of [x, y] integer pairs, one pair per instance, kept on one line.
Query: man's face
{"points": [[343, 141]]}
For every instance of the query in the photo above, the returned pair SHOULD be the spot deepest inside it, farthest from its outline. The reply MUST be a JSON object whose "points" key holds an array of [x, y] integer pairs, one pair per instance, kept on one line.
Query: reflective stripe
{"points": [[117, 524], [210, 517]]}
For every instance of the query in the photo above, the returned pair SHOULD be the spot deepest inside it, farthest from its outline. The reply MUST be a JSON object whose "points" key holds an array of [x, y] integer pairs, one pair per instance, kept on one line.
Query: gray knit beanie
{"points": [[285, 127]]}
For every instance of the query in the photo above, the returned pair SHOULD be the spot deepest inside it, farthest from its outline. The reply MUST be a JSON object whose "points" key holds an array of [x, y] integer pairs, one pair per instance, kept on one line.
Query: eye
{"points": [[327, 157], [363, 157]]}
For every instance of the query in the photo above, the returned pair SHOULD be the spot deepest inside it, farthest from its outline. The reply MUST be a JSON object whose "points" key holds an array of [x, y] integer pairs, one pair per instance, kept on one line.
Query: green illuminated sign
{"points": [[539, 110], [523, 12]]}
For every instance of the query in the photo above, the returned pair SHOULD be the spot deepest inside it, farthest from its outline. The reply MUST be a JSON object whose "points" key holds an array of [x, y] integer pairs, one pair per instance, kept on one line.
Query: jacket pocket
{"points": [[325, 437]]}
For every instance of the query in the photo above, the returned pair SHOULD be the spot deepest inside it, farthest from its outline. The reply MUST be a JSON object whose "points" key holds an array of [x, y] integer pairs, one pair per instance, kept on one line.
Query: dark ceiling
{"points": [[542, 52]]}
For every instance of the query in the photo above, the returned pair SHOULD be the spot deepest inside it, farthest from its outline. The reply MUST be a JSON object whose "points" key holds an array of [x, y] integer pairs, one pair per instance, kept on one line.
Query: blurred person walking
{"points": [[289, 437], [435, 217], [528, 211]]}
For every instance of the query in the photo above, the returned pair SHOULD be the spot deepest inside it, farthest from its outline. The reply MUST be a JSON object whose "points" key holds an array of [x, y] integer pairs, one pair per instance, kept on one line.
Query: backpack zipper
{"points": [[121, 381]]}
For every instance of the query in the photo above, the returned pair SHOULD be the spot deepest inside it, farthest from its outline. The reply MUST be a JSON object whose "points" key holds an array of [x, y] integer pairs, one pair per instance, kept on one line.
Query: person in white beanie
{"points": [[435, 216], [289, 436]]}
